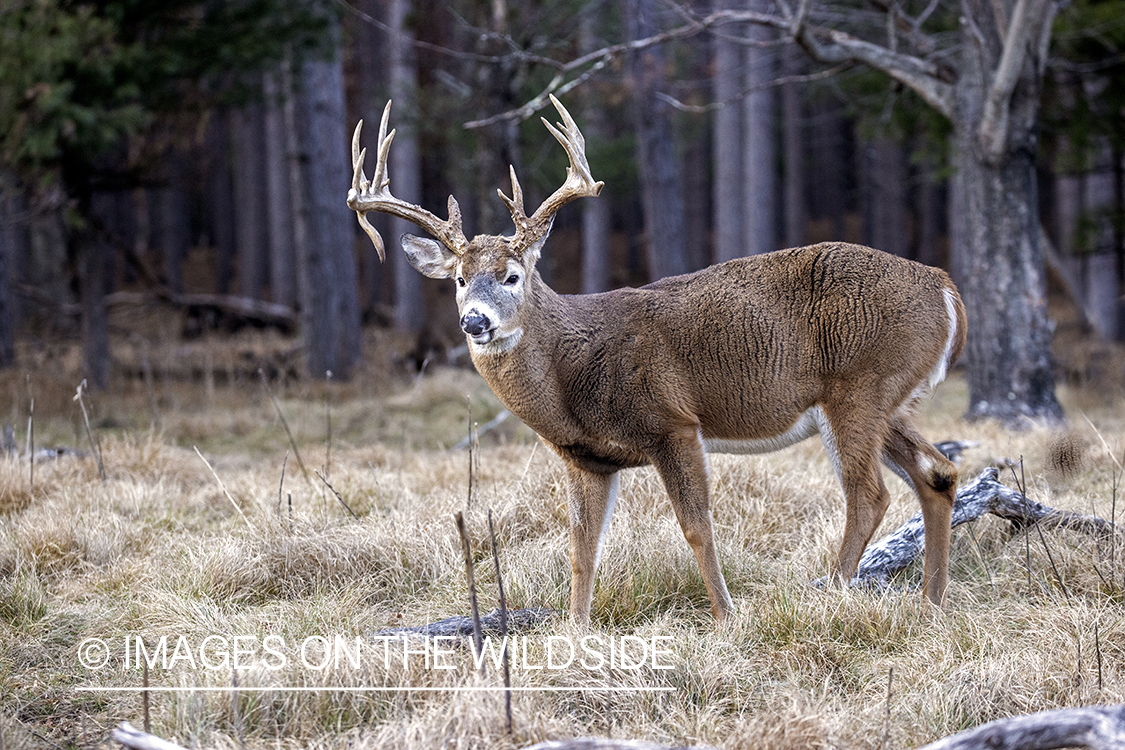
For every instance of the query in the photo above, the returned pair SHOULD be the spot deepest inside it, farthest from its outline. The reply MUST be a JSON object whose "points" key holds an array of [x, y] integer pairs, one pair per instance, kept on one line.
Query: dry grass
{"points": [[159, 550]]}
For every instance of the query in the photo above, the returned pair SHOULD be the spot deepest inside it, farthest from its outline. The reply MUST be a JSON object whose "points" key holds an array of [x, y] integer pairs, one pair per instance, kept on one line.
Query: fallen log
{"points": [[131, 737], [605, 743], [985, 494], [1093, 727], [462, 625]]}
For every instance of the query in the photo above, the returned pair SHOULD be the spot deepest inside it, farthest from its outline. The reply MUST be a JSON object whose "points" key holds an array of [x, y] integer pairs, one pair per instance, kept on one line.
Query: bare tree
{"points": [[596, 218], [406, 161], [727, 147], [793, 144], [279, 223], [885, 177], [657, 156], [330, 318], [247, 131], [759, 155]]}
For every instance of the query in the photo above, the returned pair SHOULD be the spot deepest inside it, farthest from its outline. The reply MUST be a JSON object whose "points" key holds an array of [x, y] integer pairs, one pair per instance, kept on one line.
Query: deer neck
{"points": [[524, 373]]}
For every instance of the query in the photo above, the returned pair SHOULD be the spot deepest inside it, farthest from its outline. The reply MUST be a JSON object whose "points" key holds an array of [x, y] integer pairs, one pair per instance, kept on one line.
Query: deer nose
{"points": [[474, 324]]}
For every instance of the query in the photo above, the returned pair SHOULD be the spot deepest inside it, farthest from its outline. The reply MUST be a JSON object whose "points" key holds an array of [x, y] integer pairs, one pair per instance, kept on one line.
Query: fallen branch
{"points": [[462, 625], [606, 743], [1094, 727], [131, 737], [985, 494]]}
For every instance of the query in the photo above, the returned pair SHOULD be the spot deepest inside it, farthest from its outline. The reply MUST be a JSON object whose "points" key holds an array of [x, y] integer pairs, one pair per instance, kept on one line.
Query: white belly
{"points": [[808, 424]]}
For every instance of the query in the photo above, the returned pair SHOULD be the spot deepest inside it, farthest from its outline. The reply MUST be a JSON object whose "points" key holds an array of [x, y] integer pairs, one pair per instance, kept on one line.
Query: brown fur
{"points": [[839, 335], [737, 351]]}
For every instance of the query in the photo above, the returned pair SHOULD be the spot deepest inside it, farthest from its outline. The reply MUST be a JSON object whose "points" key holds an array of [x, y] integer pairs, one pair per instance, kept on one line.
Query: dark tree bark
{"points": [[175, 220], [657, 155], [247, 136], [931, 201], [278, 208], [220, 199], [885, 177], [8, 251], [330, 324], [793, 140], [759, 156], [405, 164], [726, 149], [91, 253], [828, 140], [596, 214], [370, 50]]}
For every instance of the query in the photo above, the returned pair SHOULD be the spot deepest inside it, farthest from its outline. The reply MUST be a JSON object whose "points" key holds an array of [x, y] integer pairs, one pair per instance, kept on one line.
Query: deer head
{"points": [[492, 271]]}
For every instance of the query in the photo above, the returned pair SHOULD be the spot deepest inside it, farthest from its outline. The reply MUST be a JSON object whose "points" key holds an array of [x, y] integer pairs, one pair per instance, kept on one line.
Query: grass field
{"points": [[164, 547]]}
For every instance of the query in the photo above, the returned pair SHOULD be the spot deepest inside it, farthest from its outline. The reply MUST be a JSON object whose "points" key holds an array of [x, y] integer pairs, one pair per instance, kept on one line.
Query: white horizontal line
{"points": [[211, 689]]}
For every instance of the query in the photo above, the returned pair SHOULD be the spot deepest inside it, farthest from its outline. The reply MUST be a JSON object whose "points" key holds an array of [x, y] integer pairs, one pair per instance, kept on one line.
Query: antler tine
{"points": [[376, 196], [515, 203], [579, 181]]}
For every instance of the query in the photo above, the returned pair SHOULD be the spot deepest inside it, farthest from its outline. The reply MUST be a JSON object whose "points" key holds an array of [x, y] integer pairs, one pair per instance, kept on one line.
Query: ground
{"points": [[169, 547]]}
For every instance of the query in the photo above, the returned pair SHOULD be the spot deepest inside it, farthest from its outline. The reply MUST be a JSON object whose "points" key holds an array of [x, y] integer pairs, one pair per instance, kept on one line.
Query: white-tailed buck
{"points": [[747, 356]]}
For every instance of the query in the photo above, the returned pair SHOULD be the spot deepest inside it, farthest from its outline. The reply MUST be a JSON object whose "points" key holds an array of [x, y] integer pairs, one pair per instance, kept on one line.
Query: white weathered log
{"points": [[605, 743], [985, 494], [131, 737], [1094, 727], [462, 625]]}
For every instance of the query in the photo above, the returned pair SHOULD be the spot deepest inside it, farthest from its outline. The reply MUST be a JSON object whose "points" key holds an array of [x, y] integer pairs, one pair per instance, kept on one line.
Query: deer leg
{"points": [[592, 497], [683, 469], [934, 479], [854, 445]]}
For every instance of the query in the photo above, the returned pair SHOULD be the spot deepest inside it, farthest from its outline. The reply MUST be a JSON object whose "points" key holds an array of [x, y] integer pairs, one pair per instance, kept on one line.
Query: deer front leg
{"points": [[679, 460], [592, 497]]}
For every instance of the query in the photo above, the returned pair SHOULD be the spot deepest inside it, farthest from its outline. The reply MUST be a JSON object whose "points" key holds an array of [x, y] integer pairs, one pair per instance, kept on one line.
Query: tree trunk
{"points": [[696, 191], [793, 139], [247, 131], [330, 325], [278, 208], [884, 171], [8, 250], [1099, 246], [369, 51], [91, 252], [931, 194], [726, 148], [1001, 264], [220, 199], [759, 165], [828, 140], [175, 220], [405, 164], [596, 214], [657, 155]]}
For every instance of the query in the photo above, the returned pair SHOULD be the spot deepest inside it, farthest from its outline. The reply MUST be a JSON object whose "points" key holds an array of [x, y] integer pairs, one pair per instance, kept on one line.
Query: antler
{"points": [[375, 195], [579, 183]]}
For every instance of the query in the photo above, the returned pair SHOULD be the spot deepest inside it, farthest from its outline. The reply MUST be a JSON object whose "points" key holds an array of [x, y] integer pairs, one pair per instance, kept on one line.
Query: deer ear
{"points": [[536, 249], [429, 257]]}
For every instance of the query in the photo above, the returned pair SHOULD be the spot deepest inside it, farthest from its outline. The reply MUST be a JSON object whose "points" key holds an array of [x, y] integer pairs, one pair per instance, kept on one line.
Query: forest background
{"points": [[193, 155]]}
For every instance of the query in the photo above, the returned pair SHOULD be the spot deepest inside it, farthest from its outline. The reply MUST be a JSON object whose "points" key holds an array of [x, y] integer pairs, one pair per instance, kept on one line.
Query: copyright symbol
{"points": [[93, 653]]}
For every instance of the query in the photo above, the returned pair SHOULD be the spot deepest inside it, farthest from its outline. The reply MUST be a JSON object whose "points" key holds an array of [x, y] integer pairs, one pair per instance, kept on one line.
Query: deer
{"points": [[747, 356]]}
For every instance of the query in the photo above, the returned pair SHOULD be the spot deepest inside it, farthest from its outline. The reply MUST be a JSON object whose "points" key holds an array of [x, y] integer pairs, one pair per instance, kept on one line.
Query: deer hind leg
{"points": [[682, 467], [854, 444], [592, 497], [934, 479]]}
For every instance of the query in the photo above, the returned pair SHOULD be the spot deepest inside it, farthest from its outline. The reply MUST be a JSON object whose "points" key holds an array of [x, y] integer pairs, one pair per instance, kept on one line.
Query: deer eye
{"points": [[460, 281], [512, 279]]}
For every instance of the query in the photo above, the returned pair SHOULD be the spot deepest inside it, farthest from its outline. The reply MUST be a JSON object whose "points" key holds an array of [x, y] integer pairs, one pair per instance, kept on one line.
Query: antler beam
{"points": [[375, 195], [579, 183]]}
